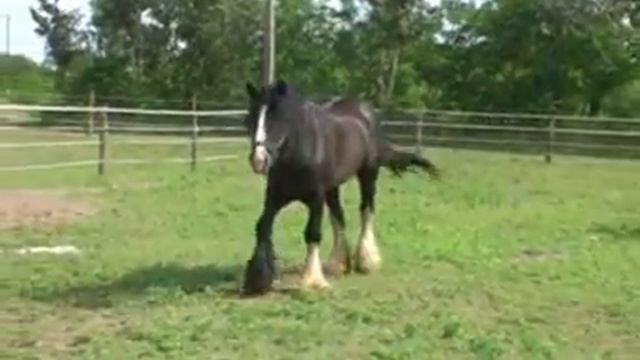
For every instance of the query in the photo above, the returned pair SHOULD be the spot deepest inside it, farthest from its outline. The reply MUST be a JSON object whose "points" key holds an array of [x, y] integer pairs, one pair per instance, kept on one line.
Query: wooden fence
{"points": [[545, 135], [105, 128], [532, 133]]}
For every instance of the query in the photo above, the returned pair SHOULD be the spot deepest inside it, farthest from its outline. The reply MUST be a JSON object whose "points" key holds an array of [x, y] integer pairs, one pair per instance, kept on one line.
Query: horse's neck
{"points": [[307, 143]]}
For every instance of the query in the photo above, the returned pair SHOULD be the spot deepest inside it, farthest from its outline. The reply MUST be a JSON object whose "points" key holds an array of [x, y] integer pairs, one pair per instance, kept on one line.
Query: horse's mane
{"points": [[306, 121]]}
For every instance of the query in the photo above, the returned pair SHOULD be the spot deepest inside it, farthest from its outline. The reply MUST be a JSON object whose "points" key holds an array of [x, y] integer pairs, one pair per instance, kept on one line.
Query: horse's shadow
{"points": [[620, 232], [219, 280]]}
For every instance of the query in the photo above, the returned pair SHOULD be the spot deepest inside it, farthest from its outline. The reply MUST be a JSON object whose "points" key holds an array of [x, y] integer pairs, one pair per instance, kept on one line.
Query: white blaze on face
{"points": [[260, 157], [261, 131]]}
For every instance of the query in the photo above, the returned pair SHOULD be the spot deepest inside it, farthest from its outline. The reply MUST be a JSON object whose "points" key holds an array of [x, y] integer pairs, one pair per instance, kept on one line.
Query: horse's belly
{"points": [[346, 167]]}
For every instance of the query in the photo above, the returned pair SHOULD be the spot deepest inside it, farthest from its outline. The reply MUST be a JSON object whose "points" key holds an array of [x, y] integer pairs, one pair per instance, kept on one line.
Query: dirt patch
{"points": [[23, 207], [537, 255], [55, 333]]}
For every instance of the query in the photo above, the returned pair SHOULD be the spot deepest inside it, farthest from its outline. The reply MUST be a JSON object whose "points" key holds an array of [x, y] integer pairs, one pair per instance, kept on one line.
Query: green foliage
{"points": [[66, 44], [537, 55], [503, 55], [22, 80], [624, 101]]}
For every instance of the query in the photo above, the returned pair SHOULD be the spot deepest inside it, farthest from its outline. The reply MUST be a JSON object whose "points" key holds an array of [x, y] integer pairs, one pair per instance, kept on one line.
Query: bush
{"points": [[624, 101], [24, 81]]}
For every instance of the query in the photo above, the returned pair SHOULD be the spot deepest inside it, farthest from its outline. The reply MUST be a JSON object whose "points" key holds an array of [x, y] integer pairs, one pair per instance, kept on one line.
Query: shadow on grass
{"points": [[147, 281], [150, 284], [618, 231]]}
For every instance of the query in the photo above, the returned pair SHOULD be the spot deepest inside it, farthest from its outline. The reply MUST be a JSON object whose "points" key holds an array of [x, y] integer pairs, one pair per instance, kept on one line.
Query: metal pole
{"points": [[8, 34], [268, 70]]}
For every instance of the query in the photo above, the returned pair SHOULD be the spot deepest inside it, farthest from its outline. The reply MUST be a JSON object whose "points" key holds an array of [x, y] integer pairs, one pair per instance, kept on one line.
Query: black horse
{"points": [[307, 151]]}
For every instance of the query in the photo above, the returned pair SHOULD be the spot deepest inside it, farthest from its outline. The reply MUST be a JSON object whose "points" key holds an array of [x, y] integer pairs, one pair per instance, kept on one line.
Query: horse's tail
{"points": [[399, 161]]}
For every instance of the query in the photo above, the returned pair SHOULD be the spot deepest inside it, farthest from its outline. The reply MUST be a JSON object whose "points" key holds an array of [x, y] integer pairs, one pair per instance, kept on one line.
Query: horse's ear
{"points": [[282, 87], [251, 90]]}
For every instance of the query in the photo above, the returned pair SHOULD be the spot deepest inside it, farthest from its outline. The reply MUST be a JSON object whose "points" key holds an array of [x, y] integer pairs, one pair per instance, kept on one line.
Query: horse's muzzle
{"points": [[260, 160]]}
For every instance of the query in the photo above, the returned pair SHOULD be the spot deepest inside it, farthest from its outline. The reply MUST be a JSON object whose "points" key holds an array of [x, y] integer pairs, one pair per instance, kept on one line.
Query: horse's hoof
{"points": [[366, 264], [319, 284], [254, 287], [333, 268], [338, 263], [259, 277], [367, 258], [314, 281]]}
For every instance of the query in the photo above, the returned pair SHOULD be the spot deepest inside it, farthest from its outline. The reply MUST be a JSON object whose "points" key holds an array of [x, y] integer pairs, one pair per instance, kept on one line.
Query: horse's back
{"points": [[351, 134], [357, 113], [351, 106]]}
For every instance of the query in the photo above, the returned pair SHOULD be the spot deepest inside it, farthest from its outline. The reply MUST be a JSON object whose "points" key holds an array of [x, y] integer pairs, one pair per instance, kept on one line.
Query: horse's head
{"points": [[266, 124]]}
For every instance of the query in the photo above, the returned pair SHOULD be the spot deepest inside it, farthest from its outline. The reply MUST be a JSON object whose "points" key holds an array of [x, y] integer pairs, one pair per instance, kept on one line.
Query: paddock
{"points": [[505, 257]]}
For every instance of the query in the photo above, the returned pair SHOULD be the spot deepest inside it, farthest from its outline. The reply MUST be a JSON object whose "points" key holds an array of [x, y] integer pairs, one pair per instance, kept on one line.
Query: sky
{"points": [[24, 40]]}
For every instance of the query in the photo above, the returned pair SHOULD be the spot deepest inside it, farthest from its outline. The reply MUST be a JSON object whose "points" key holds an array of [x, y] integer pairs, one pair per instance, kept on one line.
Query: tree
{"points": [[22, 80], [502, 55], [171, 48], [66, 44], [536, 55]]}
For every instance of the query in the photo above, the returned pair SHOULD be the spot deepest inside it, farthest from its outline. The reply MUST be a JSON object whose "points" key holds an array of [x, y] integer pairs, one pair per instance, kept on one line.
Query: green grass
{"points": [[505, 258]]}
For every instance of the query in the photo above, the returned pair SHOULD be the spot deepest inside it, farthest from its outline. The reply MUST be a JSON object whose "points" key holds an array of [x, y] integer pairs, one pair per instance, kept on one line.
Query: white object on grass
{"points": [[57, 250]]}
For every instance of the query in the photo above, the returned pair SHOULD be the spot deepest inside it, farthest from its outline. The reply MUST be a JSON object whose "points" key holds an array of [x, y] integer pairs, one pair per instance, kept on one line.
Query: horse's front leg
{"points": [[312, 276], [261, 268]]}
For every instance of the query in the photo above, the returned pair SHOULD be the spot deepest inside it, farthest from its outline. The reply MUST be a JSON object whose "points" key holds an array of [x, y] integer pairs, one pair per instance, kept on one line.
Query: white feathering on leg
{"points": [[313, 276], [368, 257]]}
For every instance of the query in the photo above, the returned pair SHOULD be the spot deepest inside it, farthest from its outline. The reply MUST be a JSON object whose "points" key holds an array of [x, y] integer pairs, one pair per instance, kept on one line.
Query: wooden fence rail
{"points": [[104, 140], [545, 134]]}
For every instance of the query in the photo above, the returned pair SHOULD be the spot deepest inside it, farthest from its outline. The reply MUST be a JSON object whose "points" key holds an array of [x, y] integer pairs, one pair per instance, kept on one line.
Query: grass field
{"points": [[505, 258]]}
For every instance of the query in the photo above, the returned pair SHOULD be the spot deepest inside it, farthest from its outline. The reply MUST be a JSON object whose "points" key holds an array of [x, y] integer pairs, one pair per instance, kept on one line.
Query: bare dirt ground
{"points": [[26, 207]]}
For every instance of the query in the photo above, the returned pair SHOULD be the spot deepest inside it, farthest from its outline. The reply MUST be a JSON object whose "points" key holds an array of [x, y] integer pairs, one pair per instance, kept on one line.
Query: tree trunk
{"points": [[595, 104], [380, 84], [393, 74]]}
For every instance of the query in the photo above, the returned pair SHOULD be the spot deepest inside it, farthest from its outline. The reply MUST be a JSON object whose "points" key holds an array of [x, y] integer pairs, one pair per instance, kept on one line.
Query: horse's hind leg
{"points": [[367, 254], [313, 276], [340, 259]]}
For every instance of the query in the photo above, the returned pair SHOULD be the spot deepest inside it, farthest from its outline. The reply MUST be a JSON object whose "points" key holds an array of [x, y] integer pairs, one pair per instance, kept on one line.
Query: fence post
{"points": [[550, 140], [92, 104], [102, 144], [419, 126], [194, 133]]}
